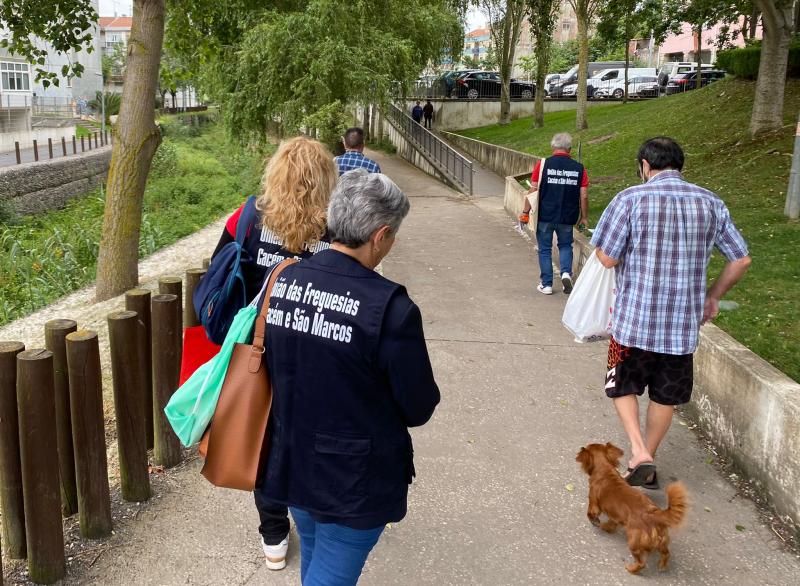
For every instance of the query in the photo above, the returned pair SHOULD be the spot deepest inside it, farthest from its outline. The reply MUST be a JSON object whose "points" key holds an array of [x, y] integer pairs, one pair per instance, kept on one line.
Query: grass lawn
{"points": [[750, 175], [197, 176]]}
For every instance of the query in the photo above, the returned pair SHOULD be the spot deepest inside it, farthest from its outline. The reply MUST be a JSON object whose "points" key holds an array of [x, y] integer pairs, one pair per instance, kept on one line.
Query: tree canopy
{"points": [[65, 25]]}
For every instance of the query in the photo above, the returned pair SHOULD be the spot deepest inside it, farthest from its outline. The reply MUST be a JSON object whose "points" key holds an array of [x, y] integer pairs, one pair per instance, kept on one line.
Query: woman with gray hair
{"points": [[350, 374]]}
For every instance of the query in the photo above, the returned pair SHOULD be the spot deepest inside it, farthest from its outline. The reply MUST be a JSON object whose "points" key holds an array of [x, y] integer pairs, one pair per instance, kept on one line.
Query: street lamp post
{"points": [[102, 105]]}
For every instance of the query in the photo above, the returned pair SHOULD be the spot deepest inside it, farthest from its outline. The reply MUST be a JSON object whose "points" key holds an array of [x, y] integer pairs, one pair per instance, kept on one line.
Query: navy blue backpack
{"points": [[221, 292]]}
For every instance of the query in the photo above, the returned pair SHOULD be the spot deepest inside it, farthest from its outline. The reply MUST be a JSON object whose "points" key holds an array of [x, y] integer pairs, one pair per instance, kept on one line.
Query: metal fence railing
{"points": [[456, 167]]}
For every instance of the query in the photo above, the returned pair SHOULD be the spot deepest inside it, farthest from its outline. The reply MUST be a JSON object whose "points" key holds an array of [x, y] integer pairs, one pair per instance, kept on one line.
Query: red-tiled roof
{"points": [[124, 22], [478, 32]]}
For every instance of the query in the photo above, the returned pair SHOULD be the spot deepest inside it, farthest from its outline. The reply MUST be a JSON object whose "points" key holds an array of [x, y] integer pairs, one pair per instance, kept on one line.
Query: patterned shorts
{"points": [[668, 377]]}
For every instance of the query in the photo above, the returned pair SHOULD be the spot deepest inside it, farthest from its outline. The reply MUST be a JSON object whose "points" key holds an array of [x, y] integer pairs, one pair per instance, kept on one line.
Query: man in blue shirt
{"points": [[353, 157], [659, 236], [416, 113]]}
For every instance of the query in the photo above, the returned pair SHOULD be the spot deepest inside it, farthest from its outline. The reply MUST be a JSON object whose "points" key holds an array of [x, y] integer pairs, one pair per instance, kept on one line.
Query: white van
{"points": [[612, 77], [670, 69]]}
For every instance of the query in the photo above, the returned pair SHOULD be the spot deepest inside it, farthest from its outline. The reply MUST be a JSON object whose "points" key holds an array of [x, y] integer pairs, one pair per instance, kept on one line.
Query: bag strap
{"points": [[246, 218], [541, 177], [261, 321]]}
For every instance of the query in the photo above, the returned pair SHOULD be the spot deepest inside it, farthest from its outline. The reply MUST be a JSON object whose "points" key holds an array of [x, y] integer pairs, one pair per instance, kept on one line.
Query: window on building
{"points": [[15, 77], [565, 26]]}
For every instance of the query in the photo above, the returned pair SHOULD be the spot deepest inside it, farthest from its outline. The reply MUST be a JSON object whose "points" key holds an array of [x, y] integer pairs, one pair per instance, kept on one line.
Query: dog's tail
{"points": [[677, 504]]}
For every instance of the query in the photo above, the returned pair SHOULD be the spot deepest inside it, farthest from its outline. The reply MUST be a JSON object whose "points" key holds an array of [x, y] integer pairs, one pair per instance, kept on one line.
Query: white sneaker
{"points": [[566, 281], [276, 554], [546, 290]]}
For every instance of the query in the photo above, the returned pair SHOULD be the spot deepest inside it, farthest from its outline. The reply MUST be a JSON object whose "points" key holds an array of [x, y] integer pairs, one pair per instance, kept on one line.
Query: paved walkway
{"points": [[499, 499]]}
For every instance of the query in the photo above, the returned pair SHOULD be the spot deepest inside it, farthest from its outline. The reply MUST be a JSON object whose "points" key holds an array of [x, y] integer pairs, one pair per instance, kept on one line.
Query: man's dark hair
{"points": [[354, 137], [662, 153]]}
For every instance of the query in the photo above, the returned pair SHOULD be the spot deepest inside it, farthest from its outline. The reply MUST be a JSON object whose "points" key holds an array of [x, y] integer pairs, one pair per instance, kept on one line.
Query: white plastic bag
{"points": [[591, 303]]}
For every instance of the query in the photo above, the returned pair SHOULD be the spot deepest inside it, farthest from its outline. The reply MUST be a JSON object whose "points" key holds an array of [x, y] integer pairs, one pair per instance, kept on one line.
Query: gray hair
{"points": [[562, 141], [361, 203]]}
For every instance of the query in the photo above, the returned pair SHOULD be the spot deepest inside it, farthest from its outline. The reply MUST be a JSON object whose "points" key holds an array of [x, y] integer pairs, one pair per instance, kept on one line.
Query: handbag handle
{"points": [[257, 348]]}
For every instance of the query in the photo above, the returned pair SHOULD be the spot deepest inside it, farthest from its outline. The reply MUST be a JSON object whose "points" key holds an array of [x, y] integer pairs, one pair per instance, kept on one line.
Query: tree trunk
{"points": [[778, 25], [512, 23], [366, 123], [627, 56], [136, 142], [582, 15], [754, 21], [541, 73], [699, 81]]}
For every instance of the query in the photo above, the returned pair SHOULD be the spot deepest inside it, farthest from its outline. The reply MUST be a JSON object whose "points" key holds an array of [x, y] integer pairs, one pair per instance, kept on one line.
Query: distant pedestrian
{"points": [[427, 113], [563, 188], [416, 113], [347, 385], [659, 236], [353, 157]]}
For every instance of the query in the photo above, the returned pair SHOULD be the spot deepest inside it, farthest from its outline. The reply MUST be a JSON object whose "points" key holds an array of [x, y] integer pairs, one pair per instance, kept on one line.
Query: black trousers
{"points": [[428, 122], [274, 525]]}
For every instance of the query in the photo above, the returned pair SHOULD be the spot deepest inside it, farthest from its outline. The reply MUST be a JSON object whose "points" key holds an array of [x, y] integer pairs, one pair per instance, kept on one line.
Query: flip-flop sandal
{"points": [[653, 484], [638, 476]]}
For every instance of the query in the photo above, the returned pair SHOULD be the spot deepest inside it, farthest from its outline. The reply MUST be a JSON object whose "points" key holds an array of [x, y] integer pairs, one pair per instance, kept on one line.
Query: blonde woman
{"points": [[289, 222]]}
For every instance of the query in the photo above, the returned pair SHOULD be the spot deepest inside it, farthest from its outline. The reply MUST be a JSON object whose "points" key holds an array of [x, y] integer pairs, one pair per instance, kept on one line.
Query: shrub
{"points": [[165, 161], [744, 62]]}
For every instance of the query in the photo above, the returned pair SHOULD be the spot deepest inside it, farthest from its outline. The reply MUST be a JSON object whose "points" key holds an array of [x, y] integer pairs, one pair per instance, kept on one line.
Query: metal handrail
{"points": [[454, 165]]}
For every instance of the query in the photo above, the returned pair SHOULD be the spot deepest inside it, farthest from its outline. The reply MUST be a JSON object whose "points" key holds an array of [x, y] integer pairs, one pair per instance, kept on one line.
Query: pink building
{"points": [[683, 46]]}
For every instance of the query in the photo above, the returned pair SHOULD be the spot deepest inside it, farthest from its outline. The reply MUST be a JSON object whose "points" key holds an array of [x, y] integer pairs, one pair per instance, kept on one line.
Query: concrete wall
{"points": [[749, 409], [499, 159], [34, 187], [26, 138], [451, 114]]}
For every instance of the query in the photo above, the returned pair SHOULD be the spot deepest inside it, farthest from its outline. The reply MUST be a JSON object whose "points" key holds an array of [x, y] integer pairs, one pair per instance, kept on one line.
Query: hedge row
{"points": [[744, 62]]}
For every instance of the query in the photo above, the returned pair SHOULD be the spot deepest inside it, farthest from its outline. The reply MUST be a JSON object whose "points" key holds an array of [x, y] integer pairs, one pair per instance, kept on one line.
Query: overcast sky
{"points": [[108, 7]]}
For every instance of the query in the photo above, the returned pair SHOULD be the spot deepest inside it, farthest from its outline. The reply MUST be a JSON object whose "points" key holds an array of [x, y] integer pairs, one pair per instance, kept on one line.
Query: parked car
{"points": [[555, 89], [670, 69], [444, 85], [486, 84], [614, 77], [548, 79], [643, 86], [684, 82]]}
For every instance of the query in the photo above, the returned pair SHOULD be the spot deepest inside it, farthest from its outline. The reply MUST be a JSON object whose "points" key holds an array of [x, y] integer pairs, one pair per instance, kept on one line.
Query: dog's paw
{"points": [[634, 568]]}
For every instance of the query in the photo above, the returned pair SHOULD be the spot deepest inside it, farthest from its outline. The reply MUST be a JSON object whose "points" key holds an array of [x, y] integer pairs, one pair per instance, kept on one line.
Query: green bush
{"points": [[165, 161], [744, 62]]}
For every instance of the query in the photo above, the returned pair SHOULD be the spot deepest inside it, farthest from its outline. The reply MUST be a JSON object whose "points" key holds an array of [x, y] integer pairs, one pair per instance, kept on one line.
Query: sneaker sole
{"points": [[567, 284], [276, 563], [544, 292]]}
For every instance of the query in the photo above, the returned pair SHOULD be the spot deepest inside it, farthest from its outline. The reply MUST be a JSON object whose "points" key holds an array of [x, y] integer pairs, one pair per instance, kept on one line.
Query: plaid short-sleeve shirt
{"points": [[355, 160], [662, 233]]}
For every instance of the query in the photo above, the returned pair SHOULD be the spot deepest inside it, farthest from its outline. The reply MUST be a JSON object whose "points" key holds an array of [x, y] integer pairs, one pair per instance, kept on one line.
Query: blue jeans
{"points": [[331, 554], [544, 238]]}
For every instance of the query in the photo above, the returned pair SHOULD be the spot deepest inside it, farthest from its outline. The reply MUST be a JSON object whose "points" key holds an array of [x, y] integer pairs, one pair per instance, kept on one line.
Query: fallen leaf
{"points": [[740, 527], [570, 487], [707, 509]]}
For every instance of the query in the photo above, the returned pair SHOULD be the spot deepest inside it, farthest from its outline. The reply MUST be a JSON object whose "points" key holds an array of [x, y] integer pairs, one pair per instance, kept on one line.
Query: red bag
{"points": [[197, 350]]}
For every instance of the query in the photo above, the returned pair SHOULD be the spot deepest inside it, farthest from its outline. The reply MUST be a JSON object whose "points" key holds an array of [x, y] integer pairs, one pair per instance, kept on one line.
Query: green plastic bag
{"points": [[192, 406]]}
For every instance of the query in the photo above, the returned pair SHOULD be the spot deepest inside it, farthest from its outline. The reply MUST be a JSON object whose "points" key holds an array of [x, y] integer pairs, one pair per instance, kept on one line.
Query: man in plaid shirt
{"points": [[660, 236], [353, 157]]}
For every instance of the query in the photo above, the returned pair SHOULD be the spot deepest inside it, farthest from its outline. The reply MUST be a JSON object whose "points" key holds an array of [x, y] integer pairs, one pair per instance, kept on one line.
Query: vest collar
{"points": [[340, 262]]}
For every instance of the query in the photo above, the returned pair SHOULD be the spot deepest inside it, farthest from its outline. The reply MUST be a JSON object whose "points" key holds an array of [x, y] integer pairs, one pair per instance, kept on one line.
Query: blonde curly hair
{"points": [[296, 187]]}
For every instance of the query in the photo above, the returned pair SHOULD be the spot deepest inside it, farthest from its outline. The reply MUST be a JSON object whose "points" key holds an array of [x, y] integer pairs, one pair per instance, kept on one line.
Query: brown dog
{"points": [[646, 526]]}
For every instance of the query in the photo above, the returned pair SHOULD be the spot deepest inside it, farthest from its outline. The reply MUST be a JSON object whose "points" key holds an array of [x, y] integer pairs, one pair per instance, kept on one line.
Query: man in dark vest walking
{"points": [[563, 188]]}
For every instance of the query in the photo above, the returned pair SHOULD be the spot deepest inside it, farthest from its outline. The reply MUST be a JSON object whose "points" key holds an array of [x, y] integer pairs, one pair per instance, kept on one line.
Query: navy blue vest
{"points": [[560, 191], [350, 373]]}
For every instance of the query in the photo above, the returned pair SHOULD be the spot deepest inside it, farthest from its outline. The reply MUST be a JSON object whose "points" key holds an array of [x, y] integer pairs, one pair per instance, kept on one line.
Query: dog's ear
{"points": [[613, 453], [584, 457]]}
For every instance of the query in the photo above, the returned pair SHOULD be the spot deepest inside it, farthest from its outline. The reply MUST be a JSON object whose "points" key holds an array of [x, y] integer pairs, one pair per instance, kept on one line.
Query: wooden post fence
{"points": [[16, 150], [39, 456], [138, 300], [74, 146], [88, 434], [166, 371], [192, 279], [50, 147], [174, 286], [83, 145], [11, 500], [55, 334], [63, 147], [126, 332], [35, 150]]}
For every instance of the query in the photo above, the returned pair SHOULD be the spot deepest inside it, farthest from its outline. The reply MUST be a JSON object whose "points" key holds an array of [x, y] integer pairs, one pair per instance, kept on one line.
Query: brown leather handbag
{"points": [[236, 443]]}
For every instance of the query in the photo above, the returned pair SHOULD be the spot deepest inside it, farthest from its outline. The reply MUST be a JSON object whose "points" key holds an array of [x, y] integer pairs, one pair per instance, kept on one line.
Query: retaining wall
{"points": [[40, 135], [452, 114], [499, 159], [749, 409], [34, 187]]}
